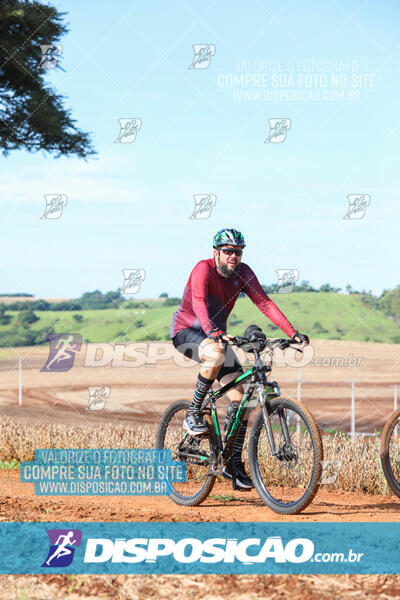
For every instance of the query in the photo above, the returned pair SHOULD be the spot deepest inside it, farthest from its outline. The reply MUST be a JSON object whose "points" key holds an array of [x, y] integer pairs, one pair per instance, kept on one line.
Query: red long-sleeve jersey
{"points": [[209, 297]]}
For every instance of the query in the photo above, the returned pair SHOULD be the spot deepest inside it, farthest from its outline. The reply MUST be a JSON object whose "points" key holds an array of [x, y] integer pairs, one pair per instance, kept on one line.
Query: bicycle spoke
{"points": [[287, 476], [192, 450]]}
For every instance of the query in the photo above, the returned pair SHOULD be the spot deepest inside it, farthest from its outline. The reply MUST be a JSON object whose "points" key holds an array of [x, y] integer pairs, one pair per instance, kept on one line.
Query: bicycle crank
{"points": [[217, 465]]}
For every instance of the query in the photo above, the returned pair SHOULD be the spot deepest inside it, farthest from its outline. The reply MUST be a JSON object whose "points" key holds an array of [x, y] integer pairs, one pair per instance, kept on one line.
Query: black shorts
{"points": [[187, 341]]}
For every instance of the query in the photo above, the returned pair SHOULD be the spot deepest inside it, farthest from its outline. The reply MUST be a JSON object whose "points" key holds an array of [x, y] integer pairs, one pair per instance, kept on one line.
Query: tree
{"points": [[4, 319], [27, 317], [390, 303], [163, 295], [32, 116], [96, 300], [172, 301], [326, 287]]}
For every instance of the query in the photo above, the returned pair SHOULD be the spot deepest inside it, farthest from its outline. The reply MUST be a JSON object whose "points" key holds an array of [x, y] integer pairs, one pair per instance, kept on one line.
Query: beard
{"points": [[226, 271]]}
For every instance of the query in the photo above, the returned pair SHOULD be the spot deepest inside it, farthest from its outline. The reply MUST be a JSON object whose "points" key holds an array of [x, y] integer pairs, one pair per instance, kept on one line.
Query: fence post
{"points": [[298, 400], [299, 385], [19, 380], [353, 410]]}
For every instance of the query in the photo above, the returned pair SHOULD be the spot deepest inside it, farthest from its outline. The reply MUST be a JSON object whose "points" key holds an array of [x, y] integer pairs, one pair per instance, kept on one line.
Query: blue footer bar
{"points": [[143, 548]]}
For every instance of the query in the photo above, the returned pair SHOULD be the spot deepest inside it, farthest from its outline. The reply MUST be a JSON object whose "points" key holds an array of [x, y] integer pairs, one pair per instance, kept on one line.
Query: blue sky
{"points": [[130, 206]]}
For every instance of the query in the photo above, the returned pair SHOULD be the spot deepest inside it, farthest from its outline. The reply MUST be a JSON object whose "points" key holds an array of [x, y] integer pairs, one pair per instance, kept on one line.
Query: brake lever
{"points": [[286, 344], [239, 340]]}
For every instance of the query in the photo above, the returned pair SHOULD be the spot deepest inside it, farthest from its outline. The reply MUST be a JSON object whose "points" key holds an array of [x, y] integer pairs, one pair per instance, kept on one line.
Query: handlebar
{"points": [[281, 343]]}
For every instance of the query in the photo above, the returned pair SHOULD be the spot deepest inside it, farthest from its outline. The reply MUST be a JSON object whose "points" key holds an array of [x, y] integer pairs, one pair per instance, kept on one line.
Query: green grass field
{"points": [[320, 315]]}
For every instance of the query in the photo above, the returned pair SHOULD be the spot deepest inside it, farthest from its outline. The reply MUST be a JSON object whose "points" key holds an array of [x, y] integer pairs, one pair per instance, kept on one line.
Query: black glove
{"points": [[216, 334], [302, 337]]}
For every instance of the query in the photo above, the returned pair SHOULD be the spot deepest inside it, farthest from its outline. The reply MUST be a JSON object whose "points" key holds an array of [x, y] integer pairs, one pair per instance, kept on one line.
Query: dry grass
{"points": [[356, 462], [18, 442]]}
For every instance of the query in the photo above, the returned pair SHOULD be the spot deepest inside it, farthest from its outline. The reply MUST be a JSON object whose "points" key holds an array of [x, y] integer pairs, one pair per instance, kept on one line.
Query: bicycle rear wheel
{"points": [[195, 451], [288, 482], [390, 452]]}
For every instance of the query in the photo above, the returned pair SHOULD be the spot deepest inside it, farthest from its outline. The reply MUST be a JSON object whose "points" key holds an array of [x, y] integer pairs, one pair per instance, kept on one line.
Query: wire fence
{"points": [[355, 404], [359, 407]]}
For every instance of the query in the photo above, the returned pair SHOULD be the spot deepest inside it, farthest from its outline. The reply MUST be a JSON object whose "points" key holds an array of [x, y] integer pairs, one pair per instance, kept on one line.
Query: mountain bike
{"points": [[390, 451], [285, 448]]}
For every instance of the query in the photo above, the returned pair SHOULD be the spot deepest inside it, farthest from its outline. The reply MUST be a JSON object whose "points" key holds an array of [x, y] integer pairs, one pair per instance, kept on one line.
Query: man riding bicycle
{"points": [[199, 331]]}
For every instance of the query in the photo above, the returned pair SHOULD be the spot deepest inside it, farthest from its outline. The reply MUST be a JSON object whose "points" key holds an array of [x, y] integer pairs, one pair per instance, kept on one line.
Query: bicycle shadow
{"points": [[359, 509], [230, 500]]}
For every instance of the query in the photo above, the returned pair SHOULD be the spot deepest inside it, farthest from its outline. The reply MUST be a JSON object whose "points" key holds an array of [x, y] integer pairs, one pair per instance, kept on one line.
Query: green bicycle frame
{"points": [[256, 378]]}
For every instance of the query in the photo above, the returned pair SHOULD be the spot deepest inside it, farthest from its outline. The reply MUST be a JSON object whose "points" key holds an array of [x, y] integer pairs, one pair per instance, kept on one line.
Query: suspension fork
{"points": [[267, 421], [282, 418]]}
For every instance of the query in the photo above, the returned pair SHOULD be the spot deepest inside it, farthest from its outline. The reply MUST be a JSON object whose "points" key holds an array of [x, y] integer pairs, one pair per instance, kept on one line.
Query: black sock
{"points": [[201, 389], [238, 445]]}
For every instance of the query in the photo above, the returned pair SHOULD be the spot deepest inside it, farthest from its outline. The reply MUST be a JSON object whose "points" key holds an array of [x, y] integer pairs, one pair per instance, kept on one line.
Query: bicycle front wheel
{"points": [[287, 482], [194, 450], [390, 452]]}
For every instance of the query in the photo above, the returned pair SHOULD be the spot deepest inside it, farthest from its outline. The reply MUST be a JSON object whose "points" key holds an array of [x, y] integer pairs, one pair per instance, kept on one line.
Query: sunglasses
{"points": [[229, 251]]}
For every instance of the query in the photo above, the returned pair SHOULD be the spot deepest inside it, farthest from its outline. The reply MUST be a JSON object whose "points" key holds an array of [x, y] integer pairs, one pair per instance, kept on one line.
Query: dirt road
{"points": [[18, 502]]}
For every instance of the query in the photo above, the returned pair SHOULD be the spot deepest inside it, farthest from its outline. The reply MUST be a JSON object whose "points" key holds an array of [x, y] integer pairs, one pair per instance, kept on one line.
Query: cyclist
{"points": [[199, 331]]}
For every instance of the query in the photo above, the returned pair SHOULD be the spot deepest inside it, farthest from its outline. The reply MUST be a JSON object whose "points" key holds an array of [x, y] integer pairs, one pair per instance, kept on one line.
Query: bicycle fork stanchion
{"points": [[267, 423]]}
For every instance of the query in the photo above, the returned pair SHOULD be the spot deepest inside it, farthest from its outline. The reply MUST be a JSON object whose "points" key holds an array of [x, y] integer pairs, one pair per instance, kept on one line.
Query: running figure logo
{"points": [[132, 280], [278, 129], [50, 55], [55, 204], [357, 205], [286, 280], [330, 471], [62, 546], [128, 130], [63, 348], [97, 397], [203, 205], [203, 54]]}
